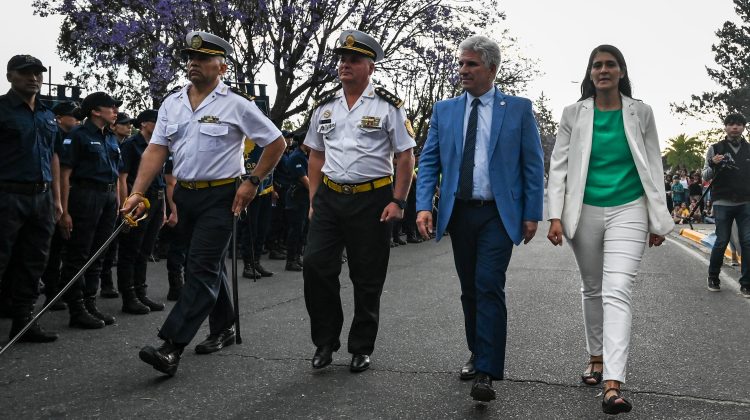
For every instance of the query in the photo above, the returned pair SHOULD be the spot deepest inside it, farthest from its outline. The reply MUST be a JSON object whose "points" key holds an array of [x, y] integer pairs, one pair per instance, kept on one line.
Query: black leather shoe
{"points": [[468, 371], [360, 363], [399, 241], [165, 359], [131, 305], [413, 239], [277, 254], [323, 356], [216, 342], [482, 389]]}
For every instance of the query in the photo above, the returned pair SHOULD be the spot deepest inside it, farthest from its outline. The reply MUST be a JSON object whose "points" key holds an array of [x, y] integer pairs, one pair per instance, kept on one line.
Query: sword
{"points": [[235, 291], [130, 221]]}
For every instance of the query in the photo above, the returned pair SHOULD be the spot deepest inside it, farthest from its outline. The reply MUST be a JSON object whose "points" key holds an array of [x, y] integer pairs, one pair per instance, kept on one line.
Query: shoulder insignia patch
{"points": [[172, 92], [389, 97], [325, 99], [242, 93]]}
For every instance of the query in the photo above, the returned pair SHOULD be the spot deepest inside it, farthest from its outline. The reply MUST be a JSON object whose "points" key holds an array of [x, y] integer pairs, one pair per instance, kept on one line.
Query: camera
{"points": [[727, 162]]}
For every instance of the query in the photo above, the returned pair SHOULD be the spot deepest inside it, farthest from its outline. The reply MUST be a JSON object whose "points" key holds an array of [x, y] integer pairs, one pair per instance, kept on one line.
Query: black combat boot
{"points": [[292, 263], [81, 318], [154, 306], [175, 285], [260, 270], [58, 306], [131, 304], [249, 272], [164, 359], [90, 304], [108, 290], [35, 334]]}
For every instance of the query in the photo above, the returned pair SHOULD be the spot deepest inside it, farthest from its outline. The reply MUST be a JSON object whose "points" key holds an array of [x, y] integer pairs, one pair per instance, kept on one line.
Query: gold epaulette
{"points": [[325, 99], [242, 93], [389, 97]]}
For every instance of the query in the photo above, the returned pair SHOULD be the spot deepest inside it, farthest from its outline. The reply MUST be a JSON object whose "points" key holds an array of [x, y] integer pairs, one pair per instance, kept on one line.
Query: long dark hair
{"points": [[587, 85]]}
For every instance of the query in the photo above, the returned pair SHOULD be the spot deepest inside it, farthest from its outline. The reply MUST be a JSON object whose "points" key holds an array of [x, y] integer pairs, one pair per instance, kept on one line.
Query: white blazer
{"points": [[569, 163]]}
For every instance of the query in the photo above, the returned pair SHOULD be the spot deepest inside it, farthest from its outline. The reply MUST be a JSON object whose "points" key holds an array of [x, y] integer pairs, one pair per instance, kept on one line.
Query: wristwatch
{"points": [[253, 180], [401, 203]]}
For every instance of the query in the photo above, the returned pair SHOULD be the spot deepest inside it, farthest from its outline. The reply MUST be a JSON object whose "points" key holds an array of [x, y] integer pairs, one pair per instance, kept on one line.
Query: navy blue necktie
{"points": [[466, 176]]}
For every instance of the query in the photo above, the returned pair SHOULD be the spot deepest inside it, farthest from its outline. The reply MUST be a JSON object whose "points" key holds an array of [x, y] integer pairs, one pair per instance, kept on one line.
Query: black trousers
{"points": [[278, 231], [51, 276], [137, 244], [177, 248], [94, 214], [28, 225], [205, 217], [254, 227], [353, 222], [296, 217]]}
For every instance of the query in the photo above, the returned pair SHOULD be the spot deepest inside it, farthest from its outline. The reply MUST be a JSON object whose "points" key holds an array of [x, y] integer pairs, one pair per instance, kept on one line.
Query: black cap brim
{"points": [[30, 65]]}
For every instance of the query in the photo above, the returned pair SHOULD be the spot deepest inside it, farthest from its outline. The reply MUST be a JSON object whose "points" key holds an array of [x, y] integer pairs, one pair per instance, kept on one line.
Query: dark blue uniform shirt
{"points": [[132, 150], [251, 160], [281, 175], [93, 154], [26, 140], [297, 167]]}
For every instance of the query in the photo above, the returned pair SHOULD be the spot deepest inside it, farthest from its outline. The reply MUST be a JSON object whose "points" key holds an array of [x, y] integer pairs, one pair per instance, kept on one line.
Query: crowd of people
{"points": [[345, 188]]}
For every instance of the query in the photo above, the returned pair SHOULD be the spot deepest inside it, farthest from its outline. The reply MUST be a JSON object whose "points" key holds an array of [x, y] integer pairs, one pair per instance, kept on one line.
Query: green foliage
{"points": [[685, 152], [732, 54]]}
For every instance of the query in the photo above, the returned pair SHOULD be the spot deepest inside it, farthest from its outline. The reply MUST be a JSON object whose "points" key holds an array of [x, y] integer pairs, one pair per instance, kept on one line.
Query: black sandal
{"points": [[595, 375], [612, 406]]}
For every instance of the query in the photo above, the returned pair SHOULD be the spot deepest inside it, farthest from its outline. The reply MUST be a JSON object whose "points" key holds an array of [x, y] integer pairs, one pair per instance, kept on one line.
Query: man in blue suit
{"points": [[484, 146]]}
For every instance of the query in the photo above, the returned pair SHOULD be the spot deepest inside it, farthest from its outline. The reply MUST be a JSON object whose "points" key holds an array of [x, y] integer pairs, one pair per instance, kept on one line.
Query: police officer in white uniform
{"points": [[204, 125], [353, 136]]}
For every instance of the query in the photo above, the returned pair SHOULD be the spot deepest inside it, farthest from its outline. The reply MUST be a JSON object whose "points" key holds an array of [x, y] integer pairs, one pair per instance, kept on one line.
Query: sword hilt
{"points": [[130, 218]]}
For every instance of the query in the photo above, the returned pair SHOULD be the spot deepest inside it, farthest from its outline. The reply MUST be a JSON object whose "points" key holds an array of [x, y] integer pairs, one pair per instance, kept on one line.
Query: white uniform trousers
{"points": [[608, 246]]}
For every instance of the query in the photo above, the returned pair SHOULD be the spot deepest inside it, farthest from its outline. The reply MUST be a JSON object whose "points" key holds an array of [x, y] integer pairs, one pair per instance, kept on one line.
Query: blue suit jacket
{"points": [[516, 163]]}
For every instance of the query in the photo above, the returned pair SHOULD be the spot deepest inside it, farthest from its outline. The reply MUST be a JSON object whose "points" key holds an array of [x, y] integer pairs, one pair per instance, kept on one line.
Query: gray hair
{"points": [[488, 49]]}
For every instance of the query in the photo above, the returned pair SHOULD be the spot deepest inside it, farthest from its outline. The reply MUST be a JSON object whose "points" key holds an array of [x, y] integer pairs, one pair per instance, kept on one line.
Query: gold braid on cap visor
{"points": [[361, 50]]}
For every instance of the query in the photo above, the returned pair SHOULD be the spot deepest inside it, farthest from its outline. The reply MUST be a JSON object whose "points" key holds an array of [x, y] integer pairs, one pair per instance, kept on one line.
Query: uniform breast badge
{"points": [[327, 113], [209, 119], [370, 122]]}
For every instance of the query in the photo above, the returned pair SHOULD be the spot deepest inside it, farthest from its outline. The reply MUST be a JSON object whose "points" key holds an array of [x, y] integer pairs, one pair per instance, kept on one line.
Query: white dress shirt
{"points": [[207, 143]]}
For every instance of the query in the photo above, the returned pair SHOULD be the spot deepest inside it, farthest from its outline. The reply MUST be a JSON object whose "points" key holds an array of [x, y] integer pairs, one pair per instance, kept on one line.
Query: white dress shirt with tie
{"points": [[481, 189]]}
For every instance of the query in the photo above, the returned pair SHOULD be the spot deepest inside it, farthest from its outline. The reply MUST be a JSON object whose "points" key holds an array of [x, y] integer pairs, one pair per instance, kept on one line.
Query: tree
{"points": [[547, 127], [732, 54], [131, 46], [685, 152]]}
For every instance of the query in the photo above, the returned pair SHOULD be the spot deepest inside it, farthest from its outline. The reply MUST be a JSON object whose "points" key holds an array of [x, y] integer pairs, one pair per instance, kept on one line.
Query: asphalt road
{"points": [[689, 359]]}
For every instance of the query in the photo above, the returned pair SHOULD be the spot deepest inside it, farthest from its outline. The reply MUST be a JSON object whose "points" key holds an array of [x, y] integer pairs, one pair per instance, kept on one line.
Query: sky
{"points": [[666, 43]]}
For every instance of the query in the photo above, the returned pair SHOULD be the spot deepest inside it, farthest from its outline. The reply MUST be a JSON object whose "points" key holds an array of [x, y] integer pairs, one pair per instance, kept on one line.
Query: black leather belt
{"points": [[28, 188], [159, 194], [476, 203], [93, 185]]}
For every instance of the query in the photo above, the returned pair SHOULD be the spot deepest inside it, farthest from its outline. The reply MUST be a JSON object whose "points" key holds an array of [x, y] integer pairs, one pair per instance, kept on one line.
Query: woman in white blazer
{"points": [[606, 196]]}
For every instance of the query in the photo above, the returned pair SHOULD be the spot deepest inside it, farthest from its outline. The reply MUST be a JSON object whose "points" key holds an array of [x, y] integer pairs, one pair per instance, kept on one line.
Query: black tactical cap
{"points": [[24, 61], [148, 115], [97, 99], [66, 109]]}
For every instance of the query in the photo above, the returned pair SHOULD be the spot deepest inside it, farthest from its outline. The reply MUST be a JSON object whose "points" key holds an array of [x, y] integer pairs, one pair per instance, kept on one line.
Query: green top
{"points": [[612, 178]]}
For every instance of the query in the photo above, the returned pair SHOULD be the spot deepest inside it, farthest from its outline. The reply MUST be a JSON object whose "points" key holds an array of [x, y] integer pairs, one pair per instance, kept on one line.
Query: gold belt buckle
{"points": [[347, 189], [191, 185]]}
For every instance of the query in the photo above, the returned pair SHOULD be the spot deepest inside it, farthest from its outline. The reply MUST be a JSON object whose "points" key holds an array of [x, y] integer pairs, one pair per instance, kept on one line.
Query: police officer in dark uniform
{"points": [[66, 115], [354, 135], [255, 225], [204, 124], [122, 128], [29, 204], [137, 243], [276, 242], [89, 162], [297, 206]]}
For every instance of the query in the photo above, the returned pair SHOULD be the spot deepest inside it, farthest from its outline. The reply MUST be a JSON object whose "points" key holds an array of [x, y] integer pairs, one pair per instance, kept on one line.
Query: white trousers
{"points": [[608, 247]]}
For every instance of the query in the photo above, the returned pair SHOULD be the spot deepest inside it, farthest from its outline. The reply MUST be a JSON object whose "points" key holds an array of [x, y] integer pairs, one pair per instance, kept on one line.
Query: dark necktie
{"points": [[466, 176]]}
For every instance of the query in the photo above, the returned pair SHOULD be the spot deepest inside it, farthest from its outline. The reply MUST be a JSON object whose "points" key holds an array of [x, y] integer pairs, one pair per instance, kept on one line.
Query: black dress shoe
{"points": [[216, 342], [360, 363], [323, 356], [468, 371], [165, 359], [482, 389]]}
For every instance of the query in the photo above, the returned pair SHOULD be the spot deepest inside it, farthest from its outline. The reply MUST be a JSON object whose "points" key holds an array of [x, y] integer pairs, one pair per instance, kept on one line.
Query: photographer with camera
{"points": [[728, 164]]}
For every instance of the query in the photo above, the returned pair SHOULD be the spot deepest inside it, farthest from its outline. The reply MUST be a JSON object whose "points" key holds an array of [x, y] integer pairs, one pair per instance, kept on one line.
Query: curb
{"points": [[698, 237]]}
